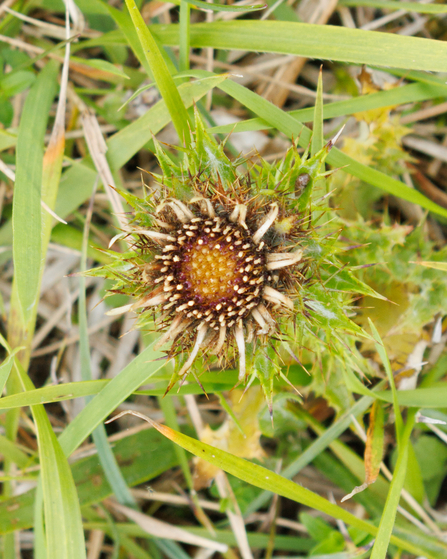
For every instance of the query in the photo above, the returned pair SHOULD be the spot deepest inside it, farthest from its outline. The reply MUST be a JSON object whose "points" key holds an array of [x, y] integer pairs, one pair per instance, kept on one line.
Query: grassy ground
{"points": [[85, 88]]}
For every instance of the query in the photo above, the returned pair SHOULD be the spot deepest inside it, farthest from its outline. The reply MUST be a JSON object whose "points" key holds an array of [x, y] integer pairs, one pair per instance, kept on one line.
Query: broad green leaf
{"points": [[15, 82], [265, 479], [26, 216], [7, 140], [324, 42], [12, 451], [417, 7], [163, 78]]}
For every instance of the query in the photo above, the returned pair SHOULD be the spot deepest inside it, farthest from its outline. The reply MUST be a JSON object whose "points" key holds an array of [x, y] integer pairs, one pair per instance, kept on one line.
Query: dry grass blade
{"points": [[98, 149], [160, 529]]}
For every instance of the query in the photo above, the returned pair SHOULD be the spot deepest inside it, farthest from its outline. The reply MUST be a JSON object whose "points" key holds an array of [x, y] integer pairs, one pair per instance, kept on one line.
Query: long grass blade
{"points": [[138, 372], [323, 42], [105, 453], [63, 522], [416, 7], [292, 128], [26, 216], [384, 536], [271, 481], [163, 78]]}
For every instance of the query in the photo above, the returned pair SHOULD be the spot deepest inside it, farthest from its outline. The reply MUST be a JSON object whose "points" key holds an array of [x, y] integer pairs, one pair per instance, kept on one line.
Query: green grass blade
{"points": [[324, 42], [289, 126], [210, 7], [271, 481], [433, 397], [320, 444], [380, 348], [5, 369], [317, 129], [163, 78], [416, 7], [63, 522], [185, 48], [139, 371], [124, 144], [26, 216], [40, 545], [411, 93], [105, 454], [384, 537], [52, 393]]}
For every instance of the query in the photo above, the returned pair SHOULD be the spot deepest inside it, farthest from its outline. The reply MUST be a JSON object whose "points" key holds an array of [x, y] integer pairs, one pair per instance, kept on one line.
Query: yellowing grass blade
{"points": [[266, 479]]}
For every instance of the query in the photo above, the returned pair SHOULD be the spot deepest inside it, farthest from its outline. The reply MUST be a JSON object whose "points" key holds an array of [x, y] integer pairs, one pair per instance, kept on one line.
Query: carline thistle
{"points": [[219, 260]]}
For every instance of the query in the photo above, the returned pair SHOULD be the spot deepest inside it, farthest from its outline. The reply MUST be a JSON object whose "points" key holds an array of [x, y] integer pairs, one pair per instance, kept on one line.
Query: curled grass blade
{"points": [[324, 42], [163, 78]]}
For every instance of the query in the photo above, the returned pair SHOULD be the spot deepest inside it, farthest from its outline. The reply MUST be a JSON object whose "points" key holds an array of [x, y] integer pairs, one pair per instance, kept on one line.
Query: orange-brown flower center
{"points": [[212, 271]]}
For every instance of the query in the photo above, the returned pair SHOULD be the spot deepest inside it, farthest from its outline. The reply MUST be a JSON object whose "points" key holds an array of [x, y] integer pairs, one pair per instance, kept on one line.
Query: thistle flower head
{"points": [[221, 261]]}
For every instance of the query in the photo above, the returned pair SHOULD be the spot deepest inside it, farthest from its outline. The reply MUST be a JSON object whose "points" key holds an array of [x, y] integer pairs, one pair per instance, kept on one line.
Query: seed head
{"points": [[221, 261]]}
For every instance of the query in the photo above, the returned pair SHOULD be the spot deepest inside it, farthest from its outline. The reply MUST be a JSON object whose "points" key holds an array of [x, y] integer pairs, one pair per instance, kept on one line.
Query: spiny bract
{"points": [[220, 261]]}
